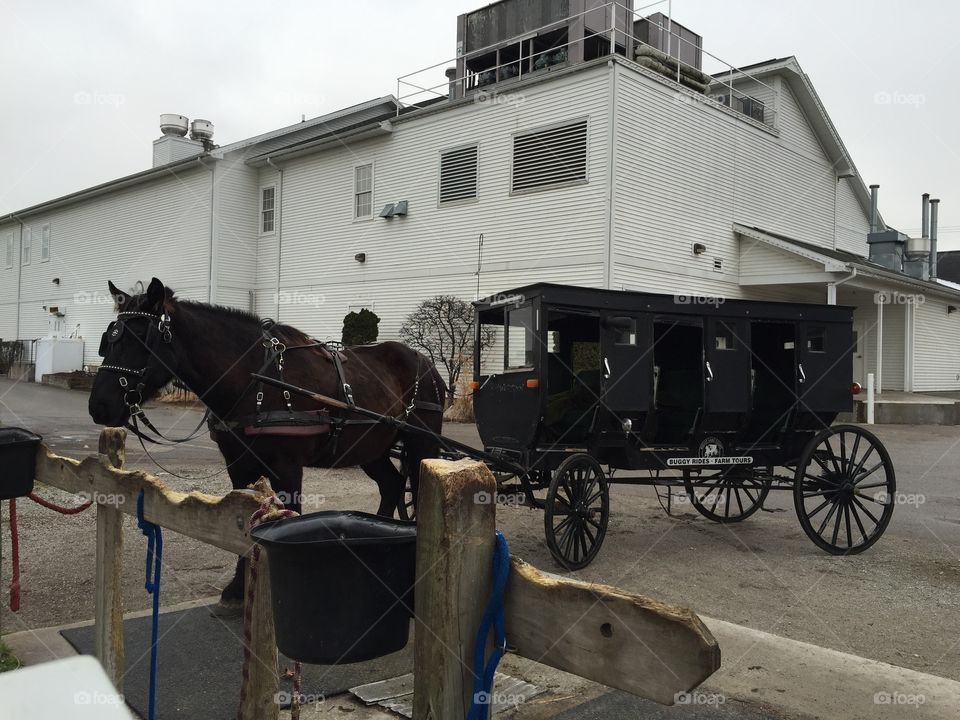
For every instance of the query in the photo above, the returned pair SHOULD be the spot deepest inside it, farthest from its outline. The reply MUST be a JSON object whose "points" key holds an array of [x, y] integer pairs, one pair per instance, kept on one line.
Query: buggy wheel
{"points": [[406, 510], [728, 497], [844, 489], [576, 511]]}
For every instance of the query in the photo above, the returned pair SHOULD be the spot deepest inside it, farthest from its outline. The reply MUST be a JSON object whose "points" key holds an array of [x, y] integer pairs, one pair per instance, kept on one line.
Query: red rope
{"points": [[271, 509], [14, 558], [60, 508], [15, 540]]}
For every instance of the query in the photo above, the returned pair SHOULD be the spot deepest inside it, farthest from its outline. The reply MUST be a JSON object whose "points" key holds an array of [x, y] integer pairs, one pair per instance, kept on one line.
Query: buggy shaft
{"points": [[448, 443]]}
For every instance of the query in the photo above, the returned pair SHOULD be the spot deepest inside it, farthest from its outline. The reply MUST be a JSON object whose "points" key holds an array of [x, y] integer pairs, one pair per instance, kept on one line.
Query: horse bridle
{"points": [[157, 335]]}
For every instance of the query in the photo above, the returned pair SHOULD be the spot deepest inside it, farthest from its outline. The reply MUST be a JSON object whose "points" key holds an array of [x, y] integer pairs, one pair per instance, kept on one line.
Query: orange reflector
{"points": [[474, 385], [855, 389], [533, 383]]}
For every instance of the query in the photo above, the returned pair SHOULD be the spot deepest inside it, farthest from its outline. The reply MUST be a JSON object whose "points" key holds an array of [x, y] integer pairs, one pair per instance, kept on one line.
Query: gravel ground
{"points": [[898, 602]]}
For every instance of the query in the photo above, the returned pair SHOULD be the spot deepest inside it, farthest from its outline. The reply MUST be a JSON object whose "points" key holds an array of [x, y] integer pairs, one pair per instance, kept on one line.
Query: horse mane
{"points": [[287, 333]]}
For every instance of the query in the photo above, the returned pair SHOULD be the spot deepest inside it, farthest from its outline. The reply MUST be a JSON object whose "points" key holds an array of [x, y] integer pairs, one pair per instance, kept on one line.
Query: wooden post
{"points": [[108, 616], [455, 542], [260, 686]]}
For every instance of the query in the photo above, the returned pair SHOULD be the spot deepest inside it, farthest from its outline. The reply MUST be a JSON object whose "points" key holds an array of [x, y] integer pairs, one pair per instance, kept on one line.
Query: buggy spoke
{"points": [[739, 504], [856, 516], [846, 517], [820, 480], [820, 507], [867, 473], [819, 493], [864, 508], [871, 485], [836, 527], [853, 452], [862, 461], [833, 507]]}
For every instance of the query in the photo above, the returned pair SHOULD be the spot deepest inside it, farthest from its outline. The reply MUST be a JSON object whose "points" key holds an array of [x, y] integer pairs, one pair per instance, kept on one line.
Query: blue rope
{"points": [[152, 585], [492, 616]]}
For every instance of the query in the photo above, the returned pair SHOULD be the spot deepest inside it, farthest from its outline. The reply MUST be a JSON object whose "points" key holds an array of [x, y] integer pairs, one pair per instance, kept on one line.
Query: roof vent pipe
{"points": [[873, 208], [925, 231], [934, 205]]}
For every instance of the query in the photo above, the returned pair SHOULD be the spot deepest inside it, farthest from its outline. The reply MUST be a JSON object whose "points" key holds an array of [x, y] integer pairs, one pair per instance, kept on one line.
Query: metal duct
{"points": [[934, 205], [925, 232], [873, 208]]}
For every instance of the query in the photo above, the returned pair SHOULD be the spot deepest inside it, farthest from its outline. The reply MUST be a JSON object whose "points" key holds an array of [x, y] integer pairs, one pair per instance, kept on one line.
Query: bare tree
{"points": [[442, 328]]}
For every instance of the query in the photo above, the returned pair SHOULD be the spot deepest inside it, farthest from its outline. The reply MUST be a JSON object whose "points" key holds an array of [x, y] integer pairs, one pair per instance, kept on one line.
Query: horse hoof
{"points": [[227, 609]]}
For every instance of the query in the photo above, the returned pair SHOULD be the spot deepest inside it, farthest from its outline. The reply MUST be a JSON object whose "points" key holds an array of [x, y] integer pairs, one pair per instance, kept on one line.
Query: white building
{"points": [[590, 168]]}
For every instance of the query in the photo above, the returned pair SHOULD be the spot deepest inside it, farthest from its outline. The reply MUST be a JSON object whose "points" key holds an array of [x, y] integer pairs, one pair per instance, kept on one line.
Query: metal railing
{"points": [[420, 88]]}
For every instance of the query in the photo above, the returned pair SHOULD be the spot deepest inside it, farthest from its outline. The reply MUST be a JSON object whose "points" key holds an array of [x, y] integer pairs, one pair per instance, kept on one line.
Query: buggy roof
{"points": [[680, 304]]}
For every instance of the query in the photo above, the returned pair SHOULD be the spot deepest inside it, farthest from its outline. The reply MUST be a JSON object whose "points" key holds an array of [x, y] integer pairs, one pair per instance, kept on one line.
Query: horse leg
{"points": [[390, 482]]}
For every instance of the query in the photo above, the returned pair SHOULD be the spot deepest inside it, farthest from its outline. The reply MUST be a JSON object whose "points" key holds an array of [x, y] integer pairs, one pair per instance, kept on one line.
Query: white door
{"points": [[859, 366]]}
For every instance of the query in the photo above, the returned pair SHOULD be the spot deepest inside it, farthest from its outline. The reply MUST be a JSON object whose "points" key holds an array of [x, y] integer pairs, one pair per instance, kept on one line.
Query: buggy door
{"points": [[825, 367], [727, 368], [627, 350]]}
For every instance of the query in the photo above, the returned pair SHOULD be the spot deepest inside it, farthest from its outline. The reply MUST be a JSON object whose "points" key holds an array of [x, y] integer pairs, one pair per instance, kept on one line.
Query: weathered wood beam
{"points": [[215, 520], [108, 580], [455, 541], [606, 634], [262, 682]]}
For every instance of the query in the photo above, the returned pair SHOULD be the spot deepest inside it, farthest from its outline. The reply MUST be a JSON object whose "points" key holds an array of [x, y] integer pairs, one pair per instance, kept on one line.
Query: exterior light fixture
{"points": [[360, 257], [699, 248]]}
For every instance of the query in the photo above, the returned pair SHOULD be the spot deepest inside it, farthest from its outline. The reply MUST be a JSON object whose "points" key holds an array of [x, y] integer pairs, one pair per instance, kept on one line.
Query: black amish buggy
{"points": [[725, 399]]}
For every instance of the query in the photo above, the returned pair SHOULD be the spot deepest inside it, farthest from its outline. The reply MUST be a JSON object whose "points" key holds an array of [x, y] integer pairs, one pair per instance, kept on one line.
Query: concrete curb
{"points": [[806, 679]]}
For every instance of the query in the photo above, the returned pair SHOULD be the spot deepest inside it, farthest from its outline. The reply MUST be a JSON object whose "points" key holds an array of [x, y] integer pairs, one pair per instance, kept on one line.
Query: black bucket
{"points": [[341, 584], [18, 460]]}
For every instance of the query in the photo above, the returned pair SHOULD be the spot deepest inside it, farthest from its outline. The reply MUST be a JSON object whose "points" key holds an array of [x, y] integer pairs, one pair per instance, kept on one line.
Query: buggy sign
{"points": [[685, 461]]}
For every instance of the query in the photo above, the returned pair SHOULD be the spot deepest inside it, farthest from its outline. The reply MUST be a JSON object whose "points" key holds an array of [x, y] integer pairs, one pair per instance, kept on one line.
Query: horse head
{"points": [[138, 358]]}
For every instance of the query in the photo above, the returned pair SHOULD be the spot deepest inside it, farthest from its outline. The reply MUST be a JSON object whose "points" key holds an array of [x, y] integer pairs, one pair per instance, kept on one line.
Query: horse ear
{"points": [[156, 293], [119, 296]]}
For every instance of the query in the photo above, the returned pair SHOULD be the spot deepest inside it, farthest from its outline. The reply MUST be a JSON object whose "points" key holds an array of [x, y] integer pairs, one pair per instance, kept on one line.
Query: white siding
{"points": [[159, 228], [936, 360], [235, 231], [556, 233], [686, 172], [853, 224]]}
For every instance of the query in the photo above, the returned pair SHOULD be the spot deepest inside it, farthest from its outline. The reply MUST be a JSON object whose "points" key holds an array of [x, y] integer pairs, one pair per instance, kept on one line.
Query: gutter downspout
{"points": [[19, 260], [832, 287], [612, 176], [211, 276], [278, 211]]}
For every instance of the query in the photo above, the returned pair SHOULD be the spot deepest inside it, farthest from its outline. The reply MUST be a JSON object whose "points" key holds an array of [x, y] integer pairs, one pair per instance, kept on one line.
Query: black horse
{"points": [[262, 431]]}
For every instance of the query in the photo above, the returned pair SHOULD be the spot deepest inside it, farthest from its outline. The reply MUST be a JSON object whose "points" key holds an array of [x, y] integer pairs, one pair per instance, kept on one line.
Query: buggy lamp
{"points": [[474, 385], [533, 383], [855, 388]]}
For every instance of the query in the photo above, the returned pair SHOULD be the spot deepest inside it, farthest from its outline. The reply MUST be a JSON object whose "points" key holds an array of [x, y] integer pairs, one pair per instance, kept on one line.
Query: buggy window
{"points": [[490, 358], [726, 338], [520, 338], [625, 329], [815, 339]]}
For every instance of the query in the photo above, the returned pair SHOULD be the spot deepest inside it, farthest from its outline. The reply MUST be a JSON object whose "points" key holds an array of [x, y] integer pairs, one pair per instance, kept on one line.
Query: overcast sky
{"points": [[82, 84]]}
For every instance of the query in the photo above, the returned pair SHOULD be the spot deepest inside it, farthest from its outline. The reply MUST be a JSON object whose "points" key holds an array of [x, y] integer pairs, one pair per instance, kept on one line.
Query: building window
{"points": [[8, 242], [458, 174], [45, 243], [363, 191], [25, 246], [268, 199], [553, 156]]}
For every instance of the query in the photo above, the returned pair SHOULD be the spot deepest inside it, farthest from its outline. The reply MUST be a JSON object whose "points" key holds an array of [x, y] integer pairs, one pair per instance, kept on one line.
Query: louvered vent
{"points": [[548, 157], [458, 174]]}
